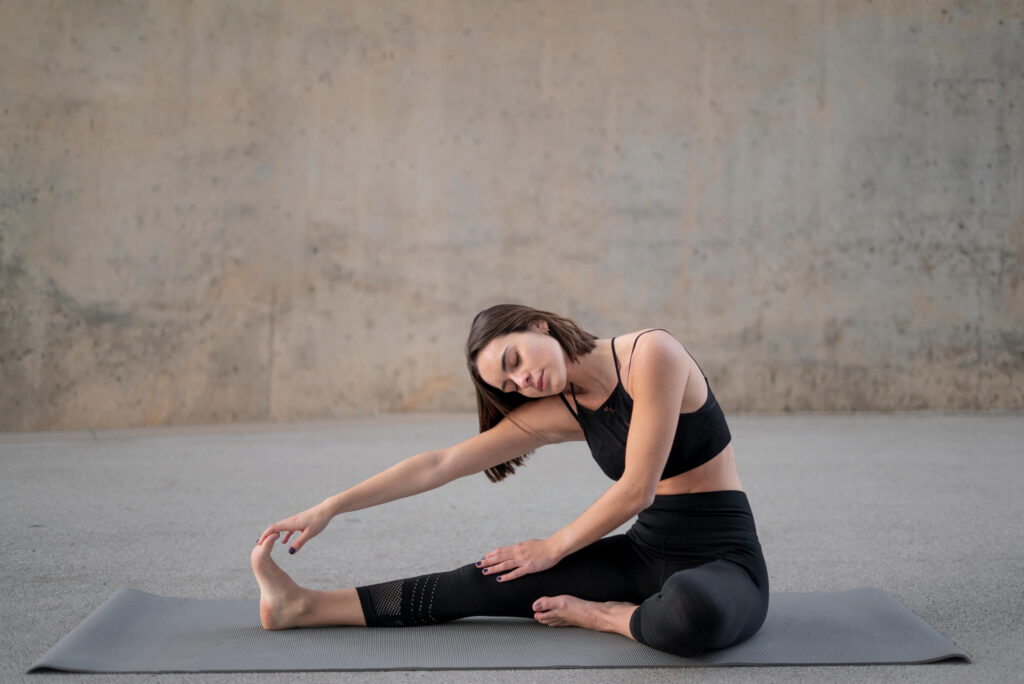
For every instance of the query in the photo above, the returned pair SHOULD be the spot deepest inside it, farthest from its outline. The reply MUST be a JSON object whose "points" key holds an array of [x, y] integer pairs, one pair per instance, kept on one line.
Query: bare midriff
{"points": [[717, 474]]}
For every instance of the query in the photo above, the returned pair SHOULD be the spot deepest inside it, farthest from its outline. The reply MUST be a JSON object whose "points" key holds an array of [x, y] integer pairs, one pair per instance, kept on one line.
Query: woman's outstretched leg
{"points": [[608, 570], [284, 604]]}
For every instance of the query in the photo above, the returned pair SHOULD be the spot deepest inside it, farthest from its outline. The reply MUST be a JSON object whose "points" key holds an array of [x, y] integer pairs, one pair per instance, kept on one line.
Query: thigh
{"points": [[706, 607], [610, 569]]}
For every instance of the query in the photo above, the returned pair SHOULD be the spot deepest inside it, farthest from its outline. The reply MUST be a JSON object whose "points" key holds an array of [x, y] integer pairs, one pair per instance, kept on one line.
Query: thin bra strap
{"points": [[565, 401], [616, 360], [663, 330], [638, 339]]}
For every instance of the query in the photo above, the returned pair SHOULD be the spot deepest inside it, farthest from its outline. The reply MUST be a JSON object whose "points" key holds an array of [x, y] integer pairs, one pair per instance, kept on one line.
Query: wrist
{"points": [[331, 506], [559, 545]]}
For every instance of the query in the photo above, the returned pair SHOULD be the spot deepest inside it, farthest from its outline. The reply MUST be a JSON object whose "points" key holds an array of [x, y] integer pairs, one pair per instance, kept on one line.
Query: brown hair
{"points": [[492, 404]]}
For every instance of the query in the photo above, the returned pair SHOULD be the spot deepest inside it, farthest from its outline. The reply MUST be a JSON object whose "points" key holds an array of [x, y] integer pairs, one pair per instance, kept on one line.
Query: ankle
{"points": [[614, 614]]}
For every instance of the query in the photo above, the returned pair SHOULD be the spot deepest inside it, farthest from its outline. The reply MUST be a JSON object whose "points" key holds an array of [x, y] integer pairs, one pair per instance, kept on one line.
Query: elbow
{"points": [[440, 467], [640, 495]]}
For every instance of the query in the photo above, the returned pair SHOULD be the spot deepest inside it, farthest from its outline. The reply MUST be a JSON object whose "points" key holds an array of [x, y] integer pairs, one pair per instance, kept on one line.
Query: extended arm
{"points": [[658, 378], [429, 470]]}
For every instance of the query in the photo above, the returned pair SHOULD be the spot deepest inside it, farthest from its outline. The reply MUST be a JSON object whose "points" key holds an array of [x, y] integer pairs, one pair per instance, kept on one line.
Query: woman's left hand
{"points": [[521, 559]]}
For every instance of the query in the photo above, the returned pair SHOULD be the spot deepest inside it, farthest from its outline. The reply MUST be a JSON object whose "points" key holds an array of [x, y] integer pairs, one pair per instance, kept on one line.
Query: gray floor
{"points": [[927, 507]]}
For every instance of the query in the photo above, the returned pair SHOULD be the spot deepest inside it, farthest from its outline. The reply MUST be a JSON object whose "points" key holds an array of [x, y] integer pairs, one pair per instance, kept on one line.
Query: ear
{"points": [[540, 325]]}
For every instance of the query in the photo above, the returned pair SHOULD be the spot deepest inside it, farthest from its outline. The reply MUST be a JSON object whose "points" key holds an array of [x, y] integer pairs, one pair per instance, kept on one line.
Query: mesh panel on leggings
{"points": [[387, 602], [404, 602]]}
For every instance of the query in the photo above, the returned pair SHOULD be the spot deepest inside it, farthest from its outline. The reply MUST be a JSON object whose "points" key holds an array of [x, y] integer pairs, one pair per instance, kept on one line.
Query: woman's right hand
{"points": [[307, 524]]}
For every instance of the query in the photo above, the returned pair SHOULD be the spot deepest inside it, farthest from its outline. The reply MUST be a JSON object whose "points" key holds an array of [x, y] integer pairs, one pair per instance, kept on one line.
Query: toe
{"points": [[262, 551]]}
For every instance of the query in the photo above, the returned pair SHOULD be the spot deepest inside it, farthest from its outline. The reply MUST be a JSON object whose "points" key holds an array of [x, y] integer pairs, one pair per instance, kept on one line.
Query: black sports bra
{"points": [[700, 436]]}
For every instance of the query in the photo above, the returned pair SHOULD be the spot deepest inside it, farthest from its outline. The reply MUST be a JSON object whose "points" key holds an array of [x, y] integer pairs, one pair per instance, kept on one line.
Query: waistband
{"points": [[702, 501], [703, 518]]}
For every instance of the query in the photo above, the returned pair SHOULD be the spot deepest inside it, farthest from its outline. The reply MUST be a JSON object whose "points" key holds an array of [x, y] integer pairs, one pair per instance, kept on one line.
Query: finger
{"points": [[271, 537], [277, 527], [508, 577], [300, 541], [288, 536], [500, 567], [490, 559]]}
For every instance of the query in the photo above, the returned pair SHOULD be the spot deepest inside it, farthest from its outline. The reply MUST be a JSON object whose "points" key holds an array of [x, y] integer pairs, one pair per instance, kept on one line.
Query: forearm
{"points": [[413, 475], [619, 503]]}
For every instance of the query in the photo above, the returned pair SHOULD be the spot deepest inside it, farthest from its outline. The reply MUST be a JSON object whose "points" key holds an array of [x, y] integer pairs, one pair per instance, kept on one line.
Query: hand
{"points": [[308, 524], [523, 558]]}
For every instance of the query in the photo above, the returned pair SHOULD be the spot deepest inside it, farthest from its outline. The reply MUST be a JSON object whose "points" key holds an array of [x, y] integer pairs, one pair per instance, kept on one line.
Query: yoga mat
{"points": [[139, 632]]}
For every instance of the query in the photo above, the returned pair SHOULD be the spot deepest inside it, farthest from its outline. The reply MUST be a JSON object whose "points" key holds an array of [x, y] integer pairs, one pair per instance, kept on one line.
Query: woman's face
{"points": [[529, 362]]}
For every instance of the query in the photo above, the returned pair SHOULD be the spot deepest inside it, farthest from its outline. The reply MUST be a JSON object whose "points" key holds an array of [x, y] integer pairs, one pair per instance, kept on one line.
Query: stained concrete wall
{"points": [[229, 211]]}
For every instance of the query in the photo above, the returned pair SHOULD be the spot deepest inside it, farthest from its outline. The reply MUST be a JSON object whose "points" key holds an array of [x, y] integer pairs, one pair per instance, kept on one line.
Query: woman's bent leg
{"points": [[710, 606]]}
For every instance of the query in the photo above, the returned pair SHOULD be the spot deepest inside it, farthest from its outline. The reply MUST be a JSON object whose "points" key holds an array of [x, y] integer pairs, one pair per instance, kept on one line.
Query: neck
{"points": [[593, 374]]}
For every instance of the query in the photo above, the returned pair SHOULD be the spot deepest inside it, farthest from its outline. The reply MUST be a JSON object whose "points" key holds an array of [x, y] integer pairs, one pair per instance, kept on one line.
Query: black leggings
{"points": [[692, 563]]}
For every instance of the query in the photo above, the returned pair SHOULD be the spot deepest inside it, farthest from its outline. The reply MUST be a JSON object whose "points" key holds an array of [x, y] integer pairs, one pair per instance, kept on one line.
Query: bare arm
{"points": [[411, 476], [658, 376], [431, 469]]}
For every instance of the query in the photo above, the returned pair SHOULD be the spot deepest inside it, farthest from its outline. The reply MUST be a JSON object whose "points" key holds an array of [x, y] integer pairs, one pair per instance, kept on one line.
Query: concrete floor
{"points": [[925, 506]]}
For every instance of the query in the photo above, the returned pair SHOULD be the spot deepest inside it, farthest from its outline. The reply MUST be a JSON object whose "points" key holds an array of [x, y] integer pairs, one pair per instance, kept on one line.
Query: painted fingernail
{"points": [[291, 549], [499, 579], [485, 571], [478, 563]]}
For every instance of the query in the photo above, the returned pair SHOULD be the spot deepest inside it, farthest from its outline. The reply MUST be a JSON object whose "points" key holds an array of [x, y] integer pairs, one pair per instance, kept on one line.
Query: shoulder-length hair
{"points": [[492, 404]]}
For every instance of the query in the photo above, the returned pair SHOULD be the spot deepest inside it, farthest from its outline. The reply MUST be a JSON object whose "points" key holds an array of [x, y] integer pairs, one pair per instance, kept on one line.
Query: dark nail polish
{"points": [[499, 579], [291, 549], [478, 563], [485, 571]]}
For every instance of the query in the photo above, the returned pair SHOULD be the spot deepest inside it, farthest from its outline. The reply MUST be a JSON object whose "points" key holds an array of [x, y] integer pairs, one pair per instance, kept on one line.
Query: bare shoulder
{"points": [[654, 355]]}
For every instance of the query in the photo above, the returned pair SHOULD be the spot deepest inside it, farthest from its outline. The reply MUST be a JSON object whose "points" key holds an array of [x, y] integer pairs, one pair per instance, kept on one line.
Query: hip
{"points": [[691, 529]]}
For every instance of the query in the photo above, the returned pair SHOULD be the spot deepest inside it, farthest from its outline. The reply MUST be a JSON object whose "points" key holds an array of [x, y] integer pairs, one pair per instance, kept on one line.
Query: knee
{"points": [[680, 620]]}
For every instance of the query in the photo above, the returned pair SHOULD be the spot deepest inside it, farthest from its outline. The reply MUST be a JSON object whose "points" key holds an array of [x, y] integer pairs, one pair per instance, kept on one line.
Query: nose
{"points": [[524, 380]]}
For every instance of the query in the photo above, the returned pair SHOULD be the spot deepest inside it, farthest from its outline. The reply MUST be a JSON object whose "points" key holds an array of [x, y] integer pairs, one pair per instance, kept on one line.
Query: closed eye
{"points": [[505, 387]]}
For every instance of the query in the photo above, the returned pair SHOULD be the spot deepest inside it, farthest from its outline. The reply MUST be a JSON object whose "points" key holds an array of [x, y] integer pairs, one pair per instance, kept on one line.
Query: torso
{"points": [[717, 474]]}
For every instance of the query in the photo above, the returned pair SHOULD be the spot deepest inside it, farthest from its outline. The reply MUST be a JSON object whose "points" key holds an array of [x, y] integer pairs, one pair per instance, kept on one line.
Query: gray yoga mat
{"points": [[139, 632]]}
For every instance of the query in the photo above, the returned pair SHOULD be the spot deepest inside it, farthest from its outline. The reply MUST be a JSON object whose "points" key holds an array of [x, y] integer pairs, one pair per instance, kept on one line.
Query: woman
{"points": [[688, 576]]}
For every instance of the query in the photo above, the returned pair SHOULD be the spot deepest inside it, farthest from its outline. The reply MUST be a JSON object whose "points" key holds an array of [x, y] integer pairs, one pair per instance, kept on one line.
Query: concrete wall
{"points": [[231, 211]]}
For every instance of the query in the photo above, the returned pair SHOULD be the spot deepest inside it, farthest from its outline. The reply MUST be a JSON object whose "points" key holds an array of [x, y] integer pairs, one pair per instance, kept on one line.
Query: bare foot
{"points": [[282, 601], [560, 611]]}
